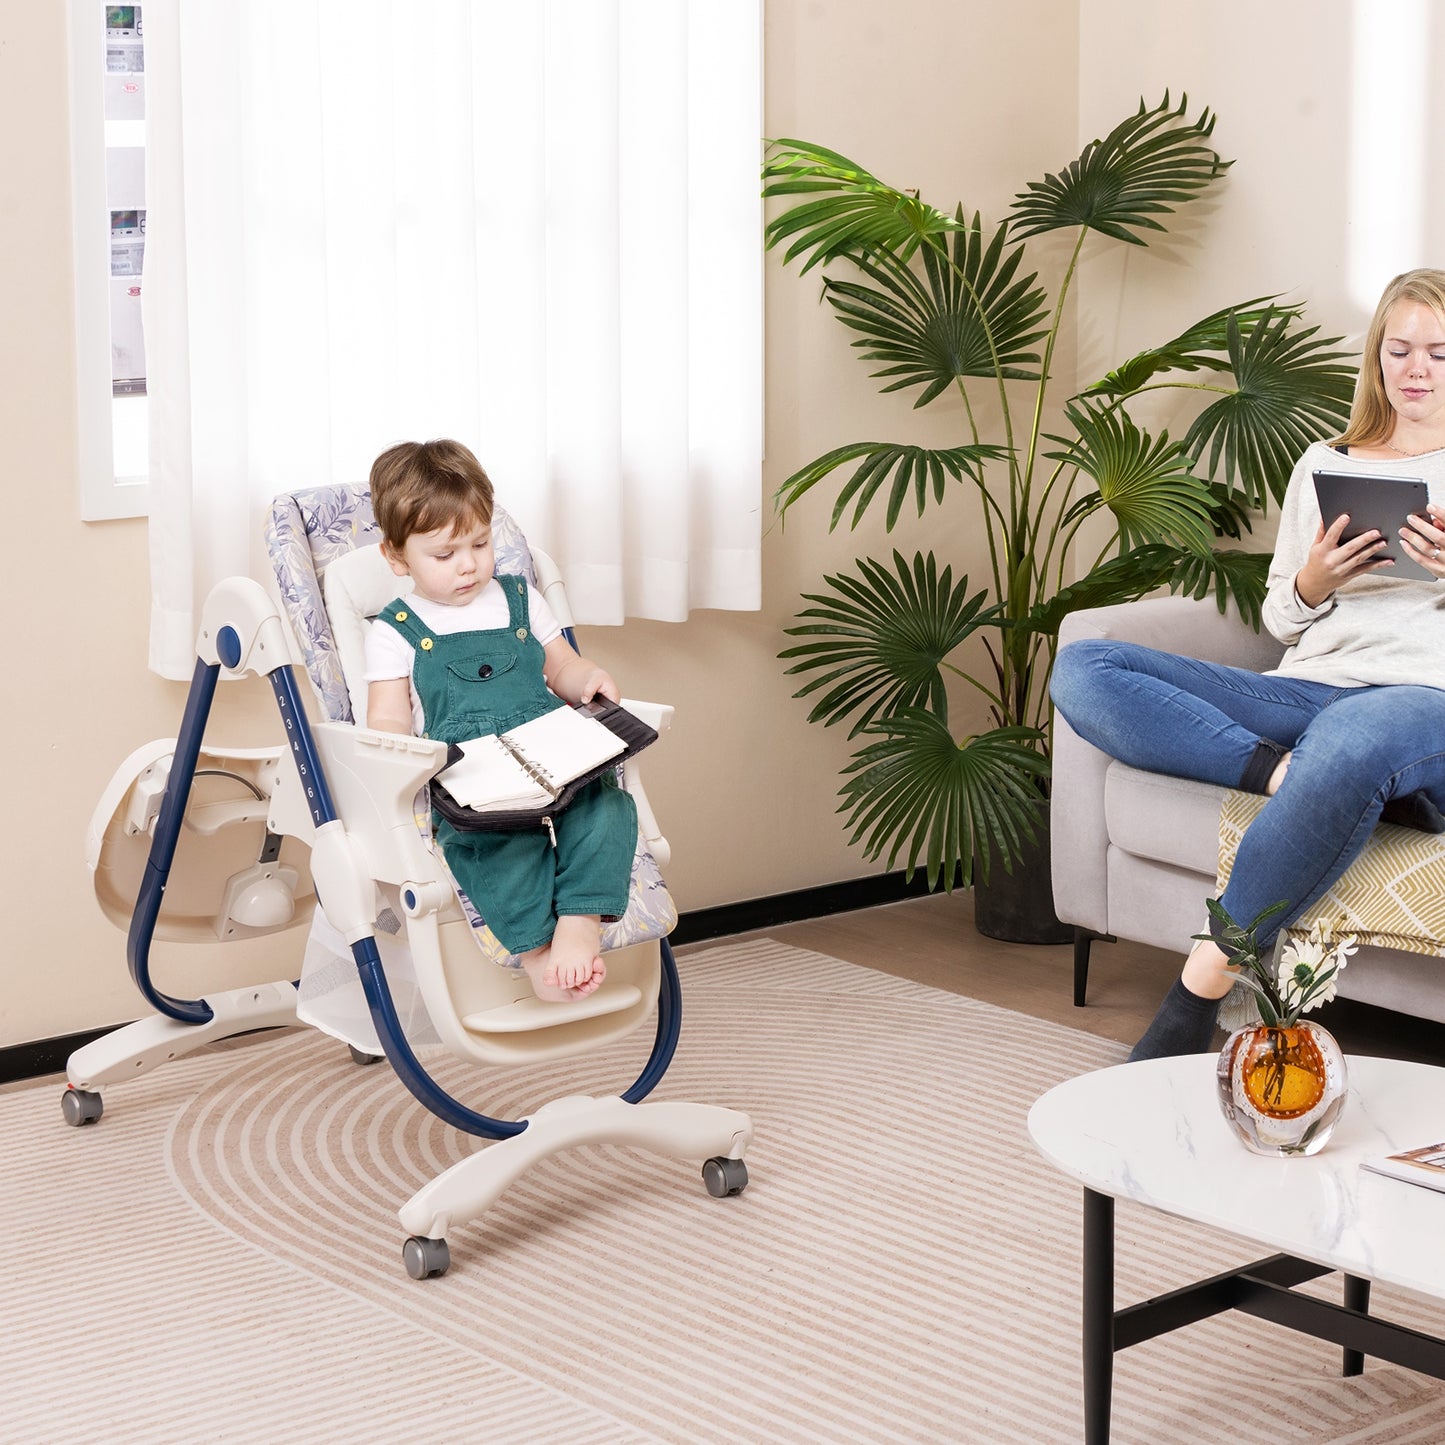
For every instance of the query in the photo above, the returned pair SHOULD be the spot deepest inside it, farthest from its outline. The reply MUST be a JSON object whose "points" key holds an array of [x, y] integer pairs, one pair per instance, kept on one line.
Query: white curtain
{"points": [[533, 227]]}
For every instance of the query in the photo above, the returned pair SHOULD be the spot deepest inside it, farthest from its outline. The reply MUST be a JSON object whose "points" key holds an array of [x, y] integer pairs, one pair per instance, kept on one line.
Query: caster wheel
{"points": [[360, 1057], [426, 1258], [725, 1177], [81, 1106]]}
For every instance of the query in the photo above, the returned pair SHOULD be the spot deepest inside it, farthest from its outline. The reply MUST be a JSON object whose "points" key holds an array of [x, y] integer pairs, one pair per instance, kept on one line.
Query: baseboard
{"points": [[48, 1056], [43, 1056], [751, 913]]}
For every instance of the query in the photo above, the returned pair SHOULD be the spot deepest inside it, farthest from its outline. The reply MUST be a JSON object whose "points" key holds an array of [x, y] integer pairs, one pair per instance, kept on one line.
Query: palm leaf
{"points": [[919, 793], [1197, 349], [917, 471], [1228, 513], [1228, 574], [1144, 167], [1290, 391], [880, 638], [1120, 579], [853, 211], [934, 329], [1145, 482]]}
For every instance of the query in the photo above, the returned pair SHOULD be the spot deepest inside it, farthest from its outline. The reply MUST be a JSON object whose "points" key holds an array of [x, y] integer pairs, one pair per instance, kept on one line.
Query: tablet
{"points": [[1376, 504]]}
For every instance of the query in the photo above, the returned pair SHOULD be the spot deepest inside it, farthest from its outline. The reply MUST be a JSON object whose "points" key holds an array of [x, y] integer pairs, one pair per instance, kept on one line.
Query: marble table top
{"points": [[1153, 1132]]}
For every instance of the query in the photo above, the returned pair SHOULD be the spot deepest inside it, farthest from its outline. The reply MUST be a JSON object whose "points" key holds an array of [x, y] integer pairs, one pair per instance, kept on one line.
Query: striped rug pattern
{"points": [[219, 1258]]}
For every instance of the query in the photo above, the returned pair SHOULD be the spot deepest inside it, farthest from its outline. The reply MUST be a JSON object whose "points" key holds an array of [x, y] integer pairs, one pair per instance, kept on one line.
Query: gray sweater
{"points": [[1375, 629]]}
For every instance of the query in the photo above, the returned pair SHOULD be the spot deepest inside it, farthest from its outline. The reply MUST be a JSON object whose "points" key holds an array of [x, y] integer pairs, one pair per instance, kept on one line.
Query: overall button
{"points": [[485, 670], [522, 634]]}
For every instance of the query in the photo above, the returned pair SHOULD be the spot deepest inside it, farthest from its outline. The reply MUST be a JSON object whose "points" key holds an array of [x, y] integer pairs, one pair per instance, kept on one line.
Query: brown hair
{"points": [[425, 486], [1372, 418]]}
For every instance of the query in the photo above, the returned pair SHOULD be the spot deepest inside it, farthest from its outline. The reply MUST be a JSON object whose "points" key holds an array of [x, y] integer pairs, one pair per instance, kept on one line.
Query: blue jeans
{"points": [[1354, 748]]}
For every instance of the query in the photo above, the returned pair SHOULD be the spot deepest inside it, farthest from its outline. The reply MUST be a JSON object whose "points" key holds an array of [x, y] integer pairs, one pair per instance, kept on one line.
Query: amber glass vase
{"points": [[1282, 1087]]}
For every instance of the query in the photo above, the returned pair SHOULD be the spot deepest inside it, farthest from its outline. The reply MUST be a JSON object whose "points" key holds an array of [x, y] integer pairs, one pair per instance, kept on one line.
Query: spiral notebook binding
{"points": [[533, 770]]}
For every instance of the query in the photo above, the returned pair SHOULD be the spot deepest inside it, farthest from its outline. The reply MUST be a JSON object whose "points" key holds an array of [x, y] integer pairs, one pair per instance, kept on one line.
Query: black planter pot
{"points": [[1018, 907]]}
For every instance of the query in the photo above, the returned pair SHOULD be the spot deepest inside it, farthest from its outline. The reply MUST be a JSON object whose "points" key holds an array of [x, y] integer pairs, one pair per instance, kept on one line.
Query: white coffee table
{"points": [[1153, 1132]]}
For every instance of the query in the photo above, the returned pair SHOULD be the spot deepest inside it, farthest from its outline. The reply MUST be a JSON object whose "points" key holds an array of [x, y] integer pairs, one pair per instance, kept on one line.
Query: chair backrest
{"points": [[309, 530]]}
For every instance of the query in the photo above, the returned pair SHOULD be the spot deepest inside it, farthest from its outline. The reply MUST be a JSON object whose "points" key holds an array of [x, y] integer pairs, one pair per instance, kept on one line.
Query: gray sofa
{"points": [[1134, 853]]}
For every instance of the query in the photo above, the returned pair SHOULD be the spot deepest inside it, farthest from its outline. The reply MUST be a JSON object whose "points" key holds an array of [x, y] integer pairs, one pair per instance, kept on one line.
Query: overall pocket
{"points": [[480, 691]]}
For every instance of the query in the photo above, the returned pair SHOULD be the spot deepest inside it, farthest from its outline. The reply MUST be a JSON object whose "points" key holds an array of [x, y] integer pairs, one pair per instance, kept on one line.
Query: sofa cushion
{"points": [[1155, 816], [1392, 895]]}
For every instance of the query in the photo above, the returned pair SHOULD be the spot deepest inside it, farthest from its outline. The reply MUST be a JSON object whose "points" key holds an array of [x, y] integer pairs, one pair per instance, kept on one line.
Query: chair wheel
{"points": [[426, 1258], [725, 1177], [359, 1056], [81, 1106]]}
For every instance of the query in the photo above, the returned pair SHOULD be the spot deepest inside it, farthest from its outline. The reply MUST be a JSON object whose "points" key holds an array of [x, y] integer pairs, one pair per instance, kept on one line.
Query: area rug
{"points": [[219, 1257]]}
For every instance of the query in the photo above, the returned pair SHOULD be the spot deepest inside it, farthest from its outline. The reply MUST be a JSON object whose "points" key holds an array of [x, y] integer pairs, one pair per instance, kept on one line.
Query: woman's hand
{"points": [[1424, 539], [1332, 562]]}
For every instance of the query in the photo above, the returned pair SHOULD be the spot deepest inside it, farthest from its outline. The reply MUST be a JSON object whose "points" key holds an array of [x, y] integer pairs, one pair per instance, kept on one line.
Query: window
{"points": [[535, 228], [109, 209]]}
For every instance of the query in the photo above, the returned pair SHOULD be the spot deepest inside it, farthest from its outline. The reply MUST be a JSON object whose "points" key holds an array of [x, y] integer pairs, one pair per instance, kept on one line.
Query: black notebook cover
{"points": [[627, 726]]}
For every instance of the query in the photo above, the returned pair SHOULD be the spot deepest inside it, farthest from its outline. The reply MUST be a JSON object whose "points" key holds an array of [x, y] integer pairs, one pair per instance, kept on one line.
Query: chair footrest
{"points": [[535, 1013]]}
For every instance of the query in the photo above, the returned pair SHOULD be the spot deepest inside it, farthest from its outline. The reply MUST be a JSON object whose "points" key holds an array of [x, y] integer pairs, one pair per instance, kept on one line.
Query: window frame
{"points": [[103, 495]]}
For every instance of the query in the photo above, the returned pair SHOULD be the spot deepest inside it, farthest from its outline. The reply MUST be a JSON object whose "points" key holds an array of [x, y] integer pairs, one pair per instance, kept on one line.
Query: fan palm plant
{"points": [[1104, 511]]}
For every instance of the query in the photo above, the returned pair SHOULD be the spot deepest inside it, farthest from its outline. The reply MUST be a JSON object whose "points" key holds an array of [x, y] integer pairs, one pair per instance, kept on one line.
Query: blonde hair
{"points": [[425, 486], [1372, 418]]}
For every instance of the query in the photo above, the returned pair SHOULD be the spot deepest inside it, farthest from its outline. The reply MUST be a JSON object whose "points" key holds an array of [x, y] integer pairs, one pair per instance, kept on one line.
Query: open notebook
{"points": [[516, 778]]}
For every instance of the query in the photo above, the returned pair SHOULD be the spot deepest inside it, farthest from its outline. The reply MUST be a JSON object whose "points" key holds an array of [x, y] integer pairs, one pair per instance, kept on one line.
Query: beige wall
{"points": [[1298, 86], [966, 99]]}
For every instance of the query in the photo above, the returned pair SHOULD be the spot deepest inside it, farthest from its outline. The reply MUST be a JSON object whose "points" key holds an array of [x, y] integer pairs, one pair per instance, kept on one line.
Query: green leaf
{"points": [[1228, 514], [1236, 575], [1146, 483], [921, 472], [1120, 579], [934, 329], [918, 793], [852, 210], [1145, 167], [1231, 574], [1290, 390], [880, 637], [1197, 349]]}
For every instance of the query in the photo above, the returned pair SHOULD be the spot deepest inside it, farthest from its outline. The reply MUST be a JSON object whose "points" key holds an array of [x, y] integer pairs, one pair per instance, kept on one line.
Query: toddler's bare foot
{"points": [[571, 965]]}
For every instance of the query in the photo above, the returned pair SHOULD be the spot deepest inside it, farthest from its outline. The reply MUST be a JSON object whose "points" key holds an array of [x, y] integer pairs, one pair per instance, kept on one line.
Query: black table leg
{"points": [[1098, 1316], [1357, 1297]]}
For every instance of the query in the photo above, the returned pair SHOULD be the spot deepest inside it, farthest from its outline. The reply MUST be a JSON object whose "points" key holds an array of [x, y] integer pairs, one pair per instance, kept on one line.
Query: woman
{"points": [[1352, 722]]}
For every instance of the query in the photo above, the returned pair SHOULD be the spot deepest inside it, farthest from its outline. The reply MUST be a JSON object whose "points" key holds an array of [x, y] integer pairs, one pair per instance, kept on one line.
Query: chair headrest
{"points": [[356, 587]]}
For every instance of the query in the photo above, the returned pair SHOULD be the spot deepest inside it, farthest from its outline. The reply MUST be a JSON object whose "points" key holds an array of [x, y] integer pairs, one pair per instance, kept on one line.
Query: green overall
{"points": [[474, 683]]}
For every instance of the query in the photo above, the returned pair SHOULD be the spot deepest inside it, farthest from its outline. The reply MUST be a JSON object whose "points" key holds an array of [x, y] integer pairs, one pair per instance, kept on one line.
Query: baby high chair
{"points": [[397, 963]]}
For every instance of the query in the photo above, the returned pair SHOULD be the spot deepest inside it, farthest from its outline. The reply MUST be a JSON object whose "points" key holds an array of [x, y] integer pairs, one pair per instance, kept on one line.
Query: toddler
{"points": [[469, 653]]}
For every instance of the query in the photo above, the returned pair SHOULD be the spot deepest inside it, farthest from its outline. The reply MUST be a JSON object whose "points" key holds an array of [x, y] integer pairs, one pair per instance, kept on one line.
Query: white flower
{"points": [[1303, 961]]}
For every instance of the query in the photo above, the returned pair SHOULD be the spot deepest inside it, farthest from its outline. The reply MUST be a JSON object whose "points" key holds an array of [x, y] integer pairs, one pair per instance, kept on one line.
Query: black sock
{"points": [[1185, 1024], [1261, 765], [1414, 810]]}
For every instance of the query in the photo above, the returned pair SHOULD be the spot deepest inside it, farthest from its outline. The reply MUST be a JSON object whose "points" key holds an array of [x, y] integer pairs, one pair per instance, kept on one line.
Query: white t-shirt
{"points": [[390, 655]]}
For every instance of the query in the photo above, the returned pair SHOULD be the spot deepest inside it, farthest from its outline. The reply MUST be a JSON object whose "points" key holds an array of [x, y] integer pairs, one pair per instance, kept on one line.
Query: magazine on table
{"points": [[1425, 1165]]}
